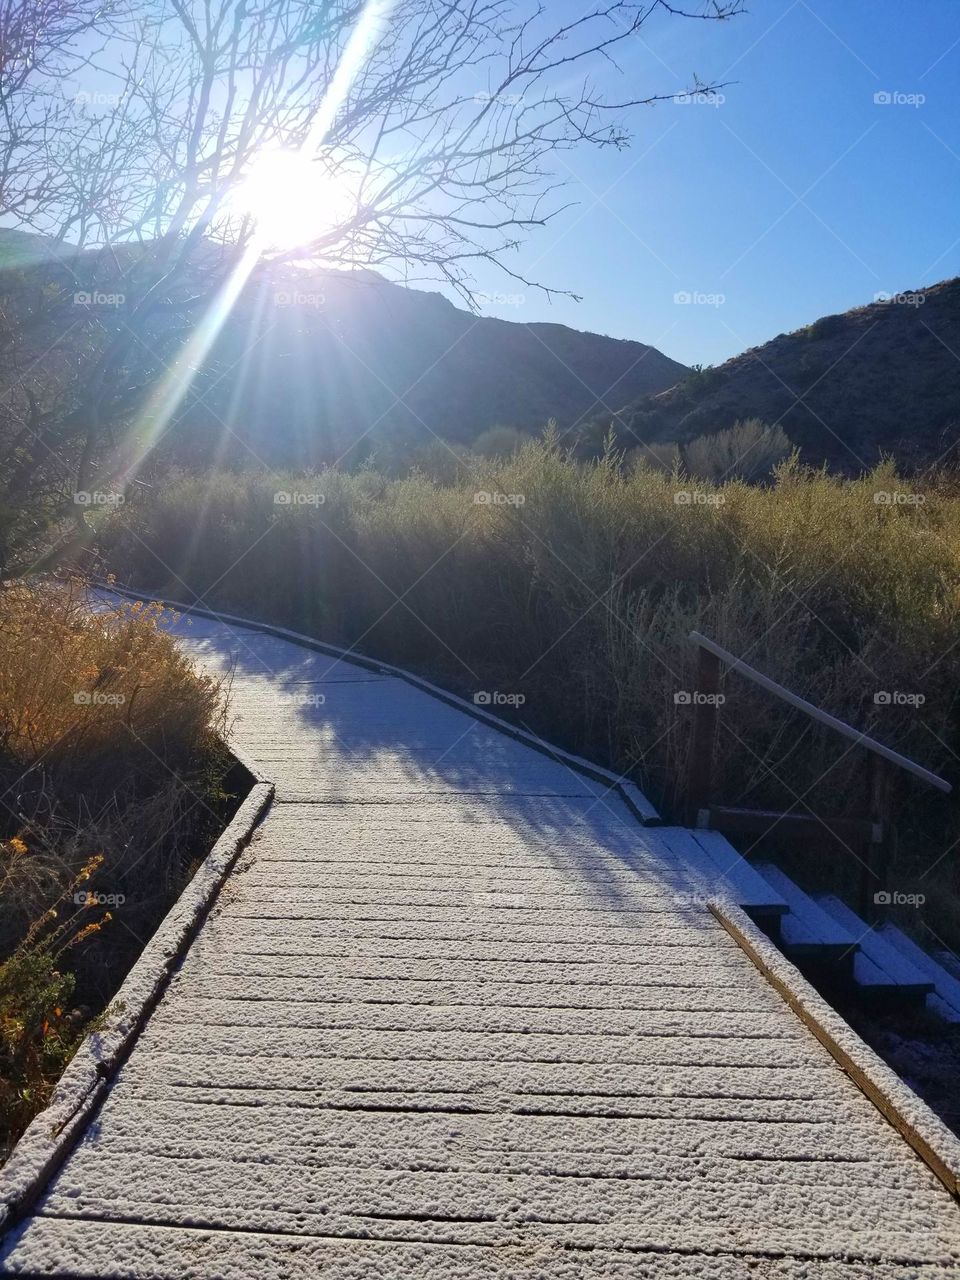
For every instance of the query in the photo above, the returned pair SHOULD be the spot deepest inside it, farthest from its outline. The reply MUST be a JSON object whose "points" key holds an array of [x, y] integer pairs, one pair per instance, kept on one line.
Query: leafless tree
{"points": [[438, 122]]}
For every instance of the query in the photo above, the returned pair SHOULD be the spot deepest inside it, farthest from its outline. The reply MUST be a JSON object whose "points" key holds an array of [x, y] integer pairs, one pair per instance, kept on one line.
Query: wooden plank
{"points": [[365, 1040], [791, 826], [929, 1137], [807, 927]]}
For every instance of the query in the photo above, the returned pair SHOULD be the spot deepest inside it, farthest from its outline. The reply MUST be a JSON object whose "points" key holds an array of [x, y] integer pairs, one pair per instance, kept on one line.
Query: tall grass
{"points": [[576, 585], [111, 776]]}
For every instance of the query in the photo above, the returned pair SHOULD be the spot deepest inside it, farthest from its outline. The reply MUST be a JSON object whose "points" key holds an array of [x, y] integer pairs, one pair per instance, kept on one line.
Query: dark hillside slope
{"points": [[880, 378], [356, 356]]}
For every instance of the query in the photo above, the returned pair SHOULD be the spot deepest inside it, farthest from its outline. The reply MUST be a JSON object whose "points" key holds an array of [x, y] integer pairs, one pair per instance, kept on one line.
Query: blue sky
{"points": [[798, 196]]}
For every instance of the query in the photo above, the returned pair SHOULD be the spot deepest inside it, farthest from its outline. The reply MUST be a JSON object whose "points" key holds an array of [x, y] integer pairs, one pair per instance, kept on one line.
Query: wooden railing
{"points": [[873, 833]]}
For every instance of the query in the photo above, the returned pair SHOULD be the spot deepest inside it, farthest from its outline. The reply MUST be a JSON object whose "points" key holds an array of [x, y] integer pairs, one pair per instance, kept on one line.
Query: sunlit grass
{"points": [[110, 764], [577, 585]]}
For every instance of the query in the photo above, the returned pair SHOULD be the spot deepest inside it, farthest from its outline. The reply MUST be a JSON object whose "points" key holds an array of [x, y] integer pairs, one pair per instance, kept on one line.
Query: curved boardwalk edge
{"points": [[459, 1013], [936, 1145], [50, 1136], [641, 807]]}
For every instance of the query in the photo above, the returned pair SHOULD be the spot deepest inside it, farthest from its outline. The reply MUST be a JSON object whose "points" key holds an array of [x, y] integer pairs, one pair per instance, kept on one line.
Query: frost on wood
{"points": [[456, 1014]]}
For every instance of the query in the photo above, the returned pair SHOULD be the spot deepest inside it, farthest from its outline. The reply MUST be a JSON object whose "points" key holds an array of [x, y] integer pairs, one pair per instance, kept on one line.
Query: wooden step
{"points": [[717, 870], [945, 998], [880, 971], [807, 931]]}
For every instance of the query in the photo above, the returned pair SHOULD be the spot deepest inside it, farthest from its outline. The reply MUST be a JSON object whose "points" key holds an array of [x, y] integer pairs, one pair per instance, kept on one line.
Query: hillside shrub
{"points": [[749, 450]]}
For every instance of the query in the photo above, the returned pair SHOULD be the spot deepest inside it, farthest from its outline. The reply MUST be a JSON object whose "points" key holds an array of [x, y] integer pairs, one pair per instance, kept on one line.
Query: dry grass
{"points": [[580, 597], [111, 768]]}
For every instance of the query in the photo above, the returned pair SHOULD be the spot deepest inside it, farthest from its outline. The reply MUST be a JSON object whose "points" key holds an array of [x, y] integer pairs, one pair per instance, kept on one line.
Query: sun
{"points": [[293, 199]]}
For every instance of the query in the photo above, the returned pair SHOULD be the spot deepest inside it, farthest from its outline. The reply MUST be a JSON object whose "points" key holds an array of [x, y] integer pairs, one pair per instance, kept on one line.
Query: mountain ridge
{"points": [[882, 377]]}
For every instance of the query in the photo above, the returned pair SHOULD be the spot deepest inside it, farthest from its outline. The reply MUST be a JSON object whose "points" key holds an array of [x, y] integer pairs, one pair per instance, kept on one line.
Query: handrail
{"points": [[846, 730]]}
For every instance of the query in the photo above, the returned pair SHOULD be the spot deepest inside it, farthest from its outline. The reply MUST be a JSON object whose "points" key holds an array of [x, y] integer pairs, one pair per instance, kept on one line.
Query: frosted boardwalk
{"points": [[452, 1016]]}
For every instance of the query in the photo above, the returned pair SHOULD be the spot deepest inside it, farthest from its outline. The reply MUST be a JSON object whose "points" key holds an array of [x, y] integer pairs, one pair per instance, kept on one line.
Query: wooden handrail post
{"points": [[705, 699], [875, 874]]}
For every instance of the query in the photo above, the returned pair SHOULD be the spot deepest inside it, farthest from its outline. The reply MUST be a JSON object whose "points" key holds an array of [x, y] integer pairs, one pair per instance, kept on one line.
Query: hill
{"points": [[359, 358], [879, 378], [310, 365]]}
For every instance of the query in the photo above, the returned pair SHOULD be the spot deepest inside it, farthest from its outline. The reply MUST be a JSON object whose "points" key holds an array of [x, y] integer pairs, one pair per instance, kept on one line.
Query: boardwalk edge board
{"points": [[629, 792], [933, 1142], [49, 1138]]}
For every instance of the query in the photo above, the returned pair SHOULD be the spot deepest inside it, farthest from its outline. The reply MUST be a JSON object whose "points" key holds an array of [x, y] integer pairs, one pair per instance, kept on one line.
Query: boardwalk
{"points": [[453, 1015]]}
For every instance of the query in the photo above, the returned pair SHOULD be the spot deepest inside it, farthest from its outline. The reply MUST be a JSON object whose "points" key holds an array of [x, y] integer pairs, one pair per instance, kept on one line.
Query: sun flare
{"points": [[292, 199]]}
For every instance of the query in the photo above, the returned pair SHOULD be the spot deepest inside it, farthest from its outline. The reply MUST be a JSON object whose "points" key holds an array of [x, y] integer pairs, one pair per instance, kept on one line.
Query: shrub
{"points": [[112, 767], [499, 442], [576, 584], [748, 450], [39, 1032]]}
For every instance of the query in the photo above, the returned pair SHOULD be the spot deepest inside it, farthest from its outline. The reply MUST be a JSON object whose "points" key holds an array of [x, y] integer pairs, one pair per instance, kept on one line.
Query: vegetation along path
{"points": [[456, 1014]]}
